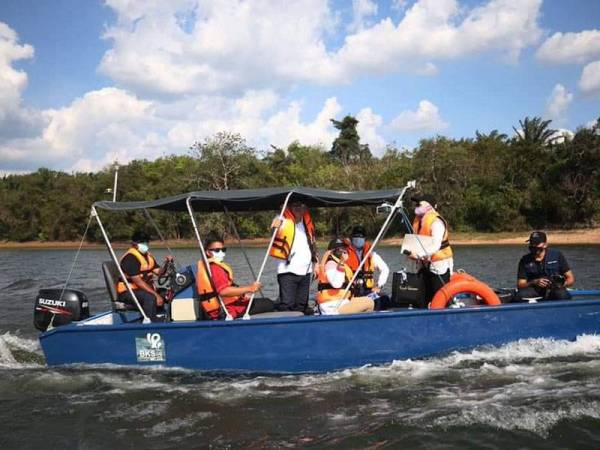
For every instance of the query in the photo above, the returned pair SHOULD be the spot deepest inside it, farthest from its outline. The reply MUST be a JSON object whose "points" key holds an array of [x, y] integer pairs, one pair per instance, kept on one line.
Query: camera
{"points": [[557, 280]]}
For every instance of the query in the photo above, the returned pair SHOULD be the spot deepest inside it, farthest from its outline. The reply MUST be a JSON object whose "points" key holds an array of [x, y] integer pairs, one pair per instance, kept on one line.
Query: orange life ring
{"points": [[463, 283]]}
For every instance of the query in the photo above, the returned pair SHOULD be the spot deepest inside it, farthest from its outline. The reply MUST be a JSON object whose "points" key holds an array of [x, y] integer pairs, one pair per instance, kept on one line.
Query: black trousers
{"points": [[433, 282], [147, 302], [551, 293], [293, 291], [261, 305]]}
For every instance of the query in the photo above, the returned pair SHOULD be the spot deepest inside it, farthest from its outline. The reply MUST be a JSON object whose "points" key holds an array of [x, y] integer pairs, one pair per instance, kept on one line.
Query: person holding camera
{"points": [[543, 272]]}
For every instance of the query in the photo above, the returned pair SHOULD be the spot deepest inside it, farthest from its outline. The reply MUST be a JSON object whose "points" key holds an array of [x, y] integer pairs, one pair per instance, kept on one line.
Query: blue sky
{"points": [[85, 83]]}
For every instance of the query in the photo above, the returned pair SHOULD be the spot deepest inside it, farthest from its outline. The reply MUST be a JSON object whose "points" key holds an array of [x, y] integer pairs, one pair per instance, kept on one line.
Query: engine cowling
{"points": [[54, 308]]}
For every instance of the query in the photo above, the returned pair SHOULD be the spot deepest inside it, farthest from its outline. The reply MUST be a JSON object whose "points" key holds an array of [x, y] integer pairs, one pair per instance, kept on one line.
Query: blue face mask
{"points": [[358, 242], [143, 248]]}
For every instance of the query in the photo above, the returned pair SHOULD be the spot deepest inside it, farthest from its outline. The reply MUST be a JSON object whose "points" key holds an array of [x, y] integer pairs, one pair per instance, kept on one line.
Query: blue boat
{"points": [[290, 342]]}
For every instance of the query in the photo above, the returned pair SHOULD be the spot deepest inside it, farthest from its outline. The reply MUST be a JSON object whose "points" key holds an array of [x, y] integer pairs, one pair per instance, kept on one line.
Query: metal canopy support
{"points": [[262, 267], [94, 214], [397, 205], [204, 258]]}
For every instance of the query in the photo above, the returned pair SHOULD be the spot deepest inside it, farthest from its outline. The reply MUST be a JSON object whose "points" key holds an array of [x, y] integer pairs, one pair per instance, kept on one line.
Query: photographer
{"points": [[543, 272]]}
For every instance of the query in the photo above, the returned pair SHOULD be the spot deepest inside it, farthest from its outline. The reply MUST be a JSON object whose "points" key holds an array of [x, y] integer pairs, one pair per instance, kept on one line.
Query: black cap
{"points": [[424, 197], [359, 231], [336, 243], [536, 238], [140, 236]]}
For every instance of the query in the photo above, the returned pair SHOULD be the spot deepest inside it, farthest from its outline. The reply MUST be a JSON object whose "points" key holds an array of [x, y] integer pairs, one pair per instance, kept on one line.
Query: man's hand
{"points": [[276, 222], [376, 290], [159, 300], [255, 287], [542, 282]]}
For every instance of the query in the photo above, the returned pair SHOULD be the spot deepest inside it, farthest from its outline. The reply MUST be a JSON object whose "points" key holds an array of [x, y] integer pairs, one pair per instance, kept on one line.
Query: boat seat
{"points": [[277, 314], [111, 278]]}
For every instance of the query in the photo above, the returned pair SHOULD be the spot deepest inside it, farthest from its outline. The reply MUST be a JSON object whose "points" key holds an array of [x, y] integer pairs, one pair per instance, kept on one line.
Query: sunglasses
{"points": [[217, 250]]}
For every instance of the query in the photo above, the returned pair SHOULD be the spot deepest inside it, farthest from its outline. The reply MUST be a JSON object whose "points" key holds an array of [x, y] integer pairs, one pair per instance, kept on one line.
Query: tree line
{"points": [[489, 182]]}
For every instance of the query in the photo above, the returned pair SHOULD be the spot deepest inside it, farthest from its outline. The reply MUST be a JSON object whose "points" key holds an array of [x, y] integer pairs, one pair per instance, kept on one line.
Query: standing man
{"points": [[436, 266], [543, 272], [295, 247], [358, 247], [139, 266]]}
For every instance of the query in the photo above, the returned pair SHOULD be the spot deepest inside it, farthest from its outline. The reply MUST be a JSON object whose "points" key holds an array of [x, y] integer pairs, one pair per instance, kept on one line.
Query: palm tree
{"points": [[534, 131]]}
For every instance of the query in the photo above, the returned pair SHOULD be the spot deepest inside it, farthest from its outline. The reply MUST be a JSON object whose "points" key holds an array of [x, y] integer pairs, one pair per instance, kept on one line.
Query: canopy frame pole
{"points": [[113, 256], [160, 235], [237, 236], [395, 207], [188, 202], [264, 262]]}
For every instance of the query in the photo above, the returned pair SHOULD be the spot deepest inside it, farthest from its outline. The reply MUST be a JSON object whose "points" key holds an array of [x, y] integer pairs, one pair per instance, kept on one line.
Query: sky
{"points": [[85, 84]]}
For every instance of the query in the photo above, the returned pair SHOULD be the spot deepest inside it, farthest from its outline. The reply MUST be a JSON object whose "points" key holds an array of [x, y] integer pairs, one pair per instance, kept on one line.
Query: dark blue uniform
{"points": [[553, 265]]}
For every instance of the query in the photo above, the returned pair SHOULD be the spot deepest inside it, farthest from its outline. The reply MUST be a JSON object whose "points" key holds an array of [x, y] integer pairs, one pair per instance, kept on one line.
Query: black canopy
{"points": [[263, 199]]}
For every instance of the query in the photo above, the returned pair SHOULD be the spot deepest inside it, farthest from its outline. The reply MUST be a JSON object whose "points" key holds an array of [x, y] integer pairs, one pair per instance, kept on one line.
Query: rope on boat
{"points": [[237, 236], [75, 259], [160, 235]]}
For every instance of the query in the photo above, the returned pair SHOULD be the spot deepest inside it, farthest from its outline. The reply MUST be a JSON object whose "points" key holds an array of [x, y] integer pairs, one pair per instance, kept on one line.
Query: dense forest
{"points": [[490, 182]]}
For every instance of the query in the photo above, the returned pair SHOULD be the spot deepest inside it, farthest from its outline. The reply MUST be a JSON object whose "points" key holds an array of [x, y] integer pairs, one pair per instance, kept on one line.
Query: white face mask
{"points": [[358, 242], [143, 248], [218, 255]]}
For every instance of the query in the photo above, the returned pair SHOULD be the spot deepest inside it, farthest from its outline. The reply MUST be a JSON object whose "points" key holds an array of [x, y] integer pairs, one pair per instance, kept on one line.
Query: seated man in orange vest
{"points": [[334, 276], [220, 284], [139, 266], [295, 247], [358, 247], [437, 266]]}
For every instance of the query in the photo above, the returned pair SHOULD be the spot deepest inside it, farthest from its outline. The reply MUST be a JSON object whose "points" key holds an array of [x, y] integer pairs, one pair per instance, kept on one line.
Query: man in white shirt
{"points": [[437, 265], [295, 247]]}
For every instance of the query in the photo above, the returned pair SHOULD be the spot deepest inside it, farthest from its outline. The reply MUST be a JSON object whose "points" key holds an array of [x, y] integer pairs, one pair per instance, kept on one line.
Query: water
{"points": [[536, 393]]}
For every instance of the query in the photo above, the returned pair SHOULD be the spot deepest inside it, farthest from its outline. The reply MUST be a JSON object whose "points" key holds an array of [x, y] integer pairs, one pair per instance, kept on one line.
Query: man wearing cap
{"points": [[295, 248], [139, 266], [436, 266], [358, 248], [543, 272]]}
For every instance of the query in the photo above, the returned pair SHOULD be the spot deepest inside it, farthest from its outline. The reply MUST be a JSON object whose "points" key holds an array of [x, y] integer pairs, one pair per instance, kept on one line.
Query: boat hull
{"points": [[316, 344]]}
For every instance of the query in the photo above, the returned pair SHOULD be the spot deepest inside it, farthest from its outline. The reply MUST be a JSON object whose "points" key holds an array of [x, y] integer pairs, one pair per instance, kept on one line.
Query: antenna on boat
{"points": [[116, 181], [262, 267], [392, 211]]}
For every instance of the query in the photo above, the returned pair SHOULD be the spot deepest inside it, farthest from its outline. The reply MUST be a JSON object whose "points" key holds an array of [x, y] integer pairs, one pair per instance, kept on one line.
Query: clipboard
{"points": [[419, 245]]}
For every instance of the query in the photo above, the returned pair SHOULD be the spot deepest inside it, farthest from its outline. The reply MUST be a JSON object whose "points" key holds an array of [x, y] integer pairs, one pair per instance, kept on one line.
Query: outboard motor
{"points": [[51, 310]]}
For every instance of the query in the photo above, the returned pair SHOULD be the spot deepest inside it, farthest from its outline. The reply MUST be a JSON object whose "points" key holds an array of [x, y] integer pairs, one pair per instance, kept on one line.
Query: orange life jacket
{"points": [[147, 264], [206, 291], [368, 269], [422, 226], [326, 292], [284, 238]]}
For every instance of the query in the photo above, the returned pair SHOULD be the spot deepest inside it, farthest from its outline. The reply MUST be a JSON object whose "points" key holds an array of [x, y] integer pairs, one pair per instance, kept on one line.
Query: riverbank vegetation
{"points": [[486, 183]]}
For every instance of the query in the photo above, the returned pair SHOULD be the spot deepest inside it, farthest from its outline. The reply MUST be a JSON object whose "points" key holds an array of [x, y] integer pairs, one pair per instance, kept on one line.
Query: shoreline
{"points": [[557, 237]]}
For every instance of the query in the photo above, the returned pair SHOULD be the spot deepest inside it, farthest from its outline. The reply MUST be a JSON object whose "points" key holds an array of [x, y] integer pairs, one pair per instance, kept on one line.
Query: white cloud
{"points": [[368, 125], [425, 118], [589, 82], [362, 10], [568, 48], [558, 103], [156, 52], [15, 120]]}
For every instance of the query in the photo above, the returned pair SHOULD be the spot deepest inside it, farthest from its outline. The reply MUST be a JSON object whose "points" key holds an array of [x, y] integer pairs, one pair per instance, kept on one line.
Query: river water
{"points": [[535, 393]]}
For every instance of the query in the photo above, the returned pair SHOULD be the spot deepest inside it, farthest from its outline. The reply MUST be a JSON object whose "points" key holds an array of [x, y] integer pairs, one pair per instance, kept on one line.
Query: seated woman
{"points": [[334, 277], [220, 282]]}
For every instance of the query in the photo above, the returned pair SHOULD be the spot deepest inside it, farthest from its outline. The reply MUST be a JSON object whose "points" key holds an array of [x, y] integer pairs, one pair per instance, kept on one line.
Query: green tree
{"points": [[346, 147]]}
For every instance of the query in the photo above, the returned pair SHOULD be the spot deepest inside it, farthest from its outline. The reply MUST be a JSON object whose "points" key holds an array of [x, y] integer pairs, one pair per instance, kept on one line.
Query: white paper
{"points": [[419, 245]]}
